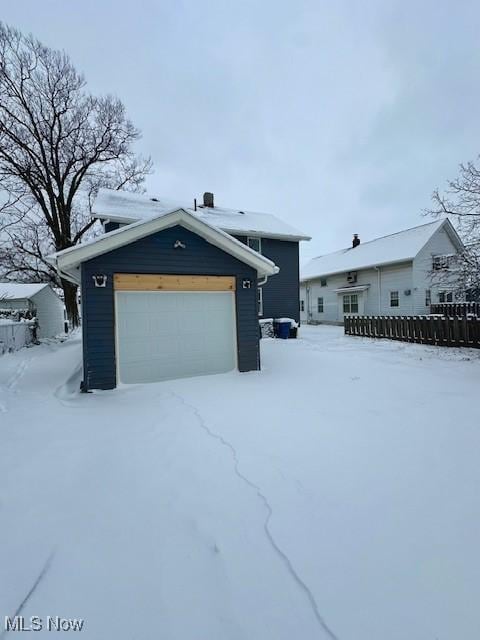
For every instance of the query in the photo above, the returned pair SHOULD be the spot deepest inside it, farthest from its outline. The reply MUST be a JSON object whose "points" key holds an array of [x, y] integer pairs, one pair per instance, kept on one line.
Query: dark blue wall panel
{"points": [[111, 226], [281, 293], [155, 254]]}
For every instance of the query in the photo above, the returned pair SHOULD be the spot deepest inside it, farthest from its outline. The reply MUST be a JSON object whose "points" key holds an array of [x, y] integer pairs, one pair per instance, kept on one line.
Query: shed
{"points": [[38, 297], [168, 297]]}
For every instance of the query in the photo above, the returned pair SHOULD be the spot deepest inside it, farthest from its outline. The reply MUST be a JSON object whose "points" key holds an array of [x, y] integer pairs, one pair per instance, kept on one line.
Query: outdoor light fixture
{"points": [[100, 280], [246, 283], [179, 245]]}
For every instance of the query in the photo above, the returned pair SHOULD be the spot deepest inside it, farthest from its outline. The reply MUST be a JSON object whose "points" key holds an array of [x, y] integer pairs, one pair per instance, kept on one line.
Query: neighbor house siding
{"points": [[155, 254], [392, 278], [281, 292], [50, 313], [438, 244]]}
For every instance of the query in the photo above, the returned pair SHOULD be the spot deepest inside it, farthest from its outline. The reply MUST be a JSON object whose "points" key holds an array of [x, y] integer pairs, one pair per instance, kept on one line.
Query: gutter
{"points": [[53, 260], [379, 286]]}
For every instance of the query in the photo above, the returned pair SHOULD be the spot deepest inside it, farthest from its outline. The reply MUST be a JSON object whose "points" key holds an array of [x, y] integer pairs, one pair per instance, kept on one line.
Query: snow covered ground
{"points": [[332, 495]]}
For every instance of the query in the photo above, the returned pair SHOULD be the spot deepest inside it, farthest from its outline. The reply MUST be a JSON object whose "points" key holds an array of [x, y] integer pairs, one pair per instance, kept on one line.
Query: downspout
{"points": [[379, 287]]}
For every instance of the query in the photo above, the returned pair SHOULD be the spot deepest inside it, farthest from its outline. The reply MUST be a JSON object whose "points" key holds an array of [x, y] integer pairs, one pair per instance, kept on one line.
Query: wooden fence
{"points": [[456, 308], [14, 335], [447, 331]]}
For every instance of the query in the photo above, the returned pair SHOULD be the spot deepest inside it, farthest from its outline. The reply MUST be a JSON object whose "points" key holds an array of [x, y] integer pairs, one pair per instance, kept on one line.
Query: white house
{"points": [[38, 297], [387, 276]]}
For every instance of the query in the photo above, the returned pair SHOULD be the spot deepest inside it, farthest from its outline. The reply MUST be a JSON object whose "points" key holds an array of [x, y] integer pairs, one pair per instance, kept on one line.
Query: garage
{"points": [[184, 327], [169, 297]]}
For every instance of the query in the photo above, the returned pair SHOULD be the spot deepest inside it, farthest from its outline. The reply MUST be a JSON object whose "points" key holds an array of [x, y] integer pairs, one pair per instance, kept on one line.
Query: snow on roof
{"points": [[397, 247], [68, 260], [19, 291], [122, 206]]}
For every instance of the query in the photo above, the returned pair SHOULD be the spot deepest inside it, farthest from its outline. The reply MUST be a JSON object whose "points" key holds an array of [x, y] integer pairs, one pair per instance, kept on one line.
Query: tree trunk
{"points": [[70, 295]]}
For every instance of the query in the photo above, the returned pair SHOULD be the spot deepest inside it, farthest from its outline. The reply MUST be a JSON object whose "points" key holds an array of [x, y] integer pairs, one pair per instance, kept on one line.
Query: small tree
{"points": [[461, 202], [58, 145]]}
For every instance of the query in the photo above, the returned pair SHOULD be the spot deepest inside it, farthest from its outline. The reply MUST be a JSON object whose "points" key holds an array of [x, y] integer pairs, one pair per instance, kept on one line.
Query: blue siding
{"points": [[155, 254], [281, 293], [111, 226]]}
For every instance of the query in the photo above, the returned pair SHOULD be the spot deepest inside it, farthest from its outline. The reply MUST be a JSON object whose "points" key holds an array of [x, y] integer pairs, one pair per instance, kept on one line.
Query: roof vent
{"points": [[355, 241], [208, 200], [154, 199]]}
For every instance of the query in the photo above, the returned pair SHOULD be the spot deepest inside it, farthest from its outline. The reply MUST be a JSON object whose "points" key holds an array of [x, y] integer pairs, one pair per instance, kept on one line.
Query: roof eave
{"points": [[362, 268], [262, 234], [240, 232], [68, 260]]}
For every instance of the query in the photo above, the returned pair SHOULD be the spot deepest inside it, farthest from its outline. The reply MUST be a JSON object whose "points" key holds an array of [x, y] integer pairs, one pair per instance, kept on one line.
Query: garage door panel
{"points": [[170, 335]]}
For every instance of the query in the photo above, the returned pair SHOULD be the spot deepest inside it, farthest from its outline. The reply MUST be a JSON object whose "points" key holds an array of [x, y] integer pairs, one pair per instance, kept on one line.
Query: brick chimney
{"points": [[355, 241], [208, 200]]}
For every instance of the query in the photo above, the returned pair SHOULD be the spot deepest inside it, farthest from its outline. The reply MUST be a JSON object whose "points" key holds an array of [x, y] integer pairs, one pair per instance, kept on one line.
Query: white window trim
{"points": [[442, 262], [446, 293], [318, 304], [260, 301], [259, 243], [350, 303], [395, 306]]}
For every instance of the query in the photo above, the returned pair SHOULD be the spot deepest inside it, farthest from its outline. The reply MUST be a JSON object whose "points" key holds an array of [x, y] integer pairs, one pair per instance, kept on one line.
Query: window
{"points": [[320, 305], [323, 282], [443, 262], [394, 301], [302, 305], [350, 303], [428, 297], [445, 296], [260, 301], [255, 244]]}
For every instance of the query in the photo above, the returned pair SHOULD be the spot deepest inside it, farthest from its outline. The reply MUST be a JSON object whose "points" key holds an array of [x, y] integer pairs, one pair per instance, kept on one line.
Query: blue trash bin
{"points": [[282, 329]]}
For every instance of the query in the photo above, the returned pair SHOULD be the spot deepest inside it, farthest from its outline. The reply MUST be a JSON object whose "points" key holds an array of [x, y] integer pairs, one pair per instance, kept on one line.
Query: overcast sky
{"points": [[339, 116]]}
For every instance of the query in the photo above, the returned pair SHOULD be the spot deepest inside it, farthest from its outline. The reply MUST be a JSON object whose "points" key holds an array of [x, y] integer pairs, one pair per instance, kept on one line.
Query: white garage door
{"points": [[174, 334]]}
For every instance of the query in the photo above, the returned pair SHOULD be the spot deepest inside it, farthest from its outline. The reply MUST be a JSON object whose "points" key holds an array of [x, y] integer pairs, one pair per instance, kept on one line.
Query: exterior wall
{"points": [[50, 313], [281, 292], [373, 301], [111, 226], [392, 278], [439, 244], [155, 254]]}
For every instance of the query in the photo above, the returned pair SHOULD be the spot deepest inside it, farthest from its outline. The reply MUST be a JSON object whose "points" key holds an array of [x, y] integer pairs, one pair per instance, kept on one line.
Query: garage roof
{"points": [[69, 260], [20, 291], [125, 207]]}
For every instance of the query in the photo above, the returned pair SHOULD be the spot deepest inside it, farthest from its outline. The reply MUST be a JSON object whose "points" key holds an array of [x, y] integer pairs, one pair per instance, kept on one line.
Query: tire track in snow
{"points": [[32, 590], [10, 386], [17, 375], [281, 554]]}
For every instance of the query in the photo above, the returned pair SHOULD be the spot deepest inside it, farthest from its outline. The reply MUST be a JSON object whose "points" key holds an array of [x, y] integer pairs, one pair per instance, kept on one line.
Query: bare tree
{"points": [[58, 145], [461, 203]]}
